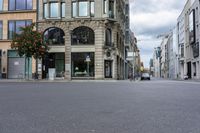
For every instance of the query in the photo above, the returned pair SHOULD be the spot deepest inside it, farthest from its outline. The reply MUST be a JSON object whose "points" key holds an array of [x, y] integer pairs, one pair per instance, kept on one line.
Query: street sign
{"points": [[129, 58]]}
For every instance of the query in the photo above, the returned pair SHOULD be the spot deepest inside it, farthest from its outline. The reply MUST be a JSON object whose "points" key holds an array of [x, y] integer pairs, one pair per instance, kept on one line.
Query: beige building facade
{"points": [[14, 14], [86, 38]]}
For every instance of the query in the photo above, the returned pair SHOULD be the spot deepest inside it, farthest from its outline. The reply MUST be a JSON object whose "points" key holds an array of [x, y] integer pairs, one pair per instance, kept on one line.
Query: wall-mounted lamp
{"points": [[4, 52]]}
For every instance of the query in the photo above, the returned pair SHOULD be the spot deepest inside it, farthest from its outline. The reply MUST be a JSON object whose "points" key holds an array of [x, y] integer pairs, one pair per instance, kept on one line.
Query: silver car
{"points": [[145, 76]]}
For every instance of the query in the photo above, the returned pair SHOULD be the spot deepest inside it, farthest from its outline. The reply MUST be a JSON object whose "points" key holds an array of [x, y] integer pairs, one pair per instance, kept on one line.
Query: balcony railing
{"points": [[111, 14]]}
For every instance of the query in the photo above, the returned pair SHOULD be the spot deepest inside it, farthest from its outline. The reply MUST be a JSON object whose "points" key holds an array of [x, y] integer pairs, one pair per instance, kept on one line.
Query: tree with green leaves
{"points": [[30, 43]]}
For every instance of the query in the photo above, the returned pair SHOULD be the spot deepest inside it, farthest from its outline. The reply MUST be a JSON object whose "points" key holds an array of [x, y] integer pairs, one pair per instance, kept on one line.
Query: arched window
{"points": [[108, 37], [83, 36], [54, 36]]}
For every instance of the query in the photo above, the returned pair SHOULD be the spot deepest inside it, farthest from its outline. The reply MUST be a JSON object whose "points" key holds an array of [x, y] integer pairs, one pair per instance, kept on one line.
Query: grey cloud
{"points": [[153, 31], [155, 5], [151, 18]]}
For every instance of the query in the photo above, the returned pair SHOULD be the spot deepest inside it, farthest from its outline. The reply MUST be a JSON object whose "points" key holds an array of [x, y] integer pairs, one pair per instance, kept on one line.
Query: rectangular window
{"points": [[92, 9], [19, 24], [14, 27], [63, 10], [45, 10], [53, 10], [127, 9], [1, 30], [192, 27], [29, 4], [20, 5], [195, 49], [74, 12], [182, 50], [11, 4], [83, 9], [28, 22], [111, 9], [1, 5], [105, 6], [83, 64], [11, 29]]}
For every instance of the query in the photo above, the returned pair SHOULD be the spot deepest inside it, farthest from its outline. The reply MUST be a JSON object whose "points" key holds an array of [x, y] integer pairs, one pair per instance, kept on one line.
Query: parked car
{"points": [[145, 76]]}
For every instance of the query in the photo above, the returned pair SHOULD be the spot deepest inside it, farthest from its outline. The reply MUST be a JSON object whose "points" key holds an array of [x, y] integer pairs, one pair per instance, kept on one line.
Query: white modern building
{"points": [[188, 40], [172, 55], [156, 62], [164, 57]]}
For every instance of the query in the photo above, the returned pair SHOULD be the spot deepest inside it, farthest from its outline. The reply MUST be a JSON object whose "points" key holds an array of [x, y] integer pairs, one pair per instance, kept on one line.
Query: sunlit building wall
{"points": [[86, 38], [13, 15]]}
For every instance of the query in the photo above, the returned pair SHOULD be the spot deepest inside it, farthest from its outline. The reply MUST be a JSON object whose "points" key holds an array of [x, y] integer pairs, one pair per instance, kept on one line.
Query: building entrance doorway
{"points": [[54, 60], [189, 74], [108, 69]]}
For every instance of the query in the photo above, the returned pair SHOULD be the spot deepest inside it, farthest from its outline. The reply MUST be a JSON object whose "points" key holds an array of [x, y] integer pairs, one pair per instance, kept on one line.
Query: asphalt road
{"points": [[157, 106]]}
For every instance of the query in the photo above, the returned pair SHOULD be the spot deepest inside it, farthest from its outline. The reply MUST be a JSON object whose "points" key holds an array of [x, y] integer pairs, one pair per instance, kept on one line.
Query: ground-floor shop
{"points": [[12, 66], [83, 66], [189, 69]]}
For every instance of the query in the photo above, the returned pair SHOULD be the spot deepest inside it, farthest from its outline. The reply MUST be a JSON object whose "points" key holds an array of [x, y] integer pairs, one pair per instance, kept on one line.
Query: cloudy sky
{"points": [[150, 18]]}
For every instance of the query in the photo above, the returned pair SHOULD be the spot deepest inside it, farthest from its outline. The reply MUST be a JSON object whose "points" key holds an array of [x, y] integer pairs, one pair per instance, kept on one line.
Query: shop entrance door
{"points": [[108, 69]]}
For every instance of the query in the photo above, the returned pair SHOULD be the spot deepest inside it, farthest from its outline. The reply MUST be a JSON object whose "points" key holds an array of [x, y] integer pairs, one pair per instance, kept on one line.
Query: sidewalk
{"points": [[53, 81]]}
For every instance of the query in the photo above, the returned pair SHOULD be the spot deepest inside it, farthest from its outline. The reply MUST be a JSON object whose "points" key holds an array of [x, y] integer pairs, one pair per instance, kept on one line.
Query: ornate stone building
{"points": [[86, 38]]}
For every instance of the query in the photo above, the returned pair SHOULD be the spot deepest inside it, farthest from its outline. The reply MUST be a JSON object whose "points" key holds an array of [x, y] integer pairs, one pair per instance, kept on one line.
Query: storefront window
{"points": [[83, 65], [83, 36], [56, 61], [54, 36]]}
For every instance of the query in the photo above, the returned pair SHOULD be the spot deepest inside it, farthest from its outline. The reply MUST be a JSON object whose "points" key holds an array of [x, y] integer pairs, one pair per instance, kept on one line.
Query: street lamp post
{"points": [[88, 64]]}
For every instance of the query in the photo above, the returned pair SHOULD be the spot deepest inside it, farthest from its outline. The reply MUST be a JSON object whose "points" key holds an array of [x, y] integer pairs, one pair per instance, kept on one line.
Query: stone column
{"points": [[68, 9], [67, 55], [99, 53]]}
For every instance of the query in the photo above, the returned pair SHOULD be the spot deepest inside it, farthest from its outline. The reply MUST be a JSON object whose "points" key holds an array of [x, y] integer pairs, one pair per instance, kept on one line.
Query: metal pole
{"points": [[88, 68]]}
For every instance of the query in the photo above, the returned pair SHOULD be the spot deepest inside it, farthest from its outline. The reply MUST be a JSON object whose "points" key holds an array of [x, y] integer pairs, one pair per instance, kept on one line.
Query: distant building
{"points": [[164, 62], [173, 55], [151, 67], [137, 61], [157, 62]]}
